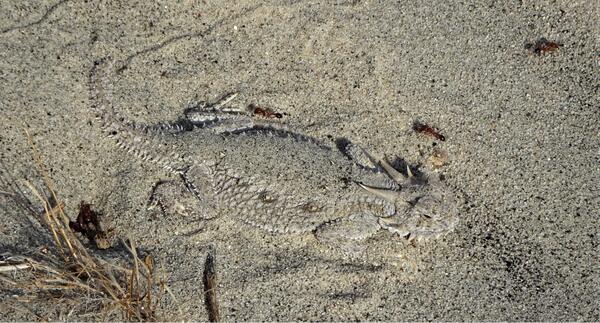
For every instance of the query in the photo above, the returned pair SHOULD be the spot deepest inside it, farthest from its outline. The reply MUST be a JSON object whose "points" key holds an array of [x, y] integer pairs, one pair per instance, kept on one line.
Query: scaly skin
{"points": [[278, 180]]}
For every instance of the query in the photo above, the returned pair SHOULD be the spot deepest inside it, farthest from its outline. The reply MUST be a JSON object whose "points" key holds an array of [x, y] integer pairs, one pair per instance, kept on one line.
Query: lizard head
{"points": [[424, 208]]}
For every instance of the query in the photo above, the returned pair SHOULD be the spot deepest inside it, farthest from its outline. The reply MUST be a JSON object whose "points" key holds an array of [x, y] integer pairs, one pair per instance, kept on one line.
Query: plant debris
{"points": [[428, 130], [210, 288], [438, 158], [264, 112], [542, 46], [66, 282], [88, 224]]}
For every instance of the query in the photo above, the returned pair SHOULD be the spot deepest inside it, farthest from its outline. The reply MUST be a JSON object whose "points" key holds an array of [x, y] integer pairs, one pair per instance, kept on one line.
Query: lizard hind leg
{"points": [[216, 117], [219, 117]]}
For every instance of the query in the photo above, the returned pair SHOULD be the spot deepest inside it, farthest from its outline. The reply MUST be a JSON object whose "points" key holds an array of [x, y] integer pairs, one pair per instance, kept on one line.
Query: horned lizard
{"points": [[293, 184]]}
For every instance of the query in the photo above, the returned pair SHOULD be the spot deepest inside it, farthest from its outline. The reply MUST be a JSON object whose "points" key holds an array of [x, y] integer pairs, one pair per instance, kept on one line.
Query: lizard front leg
{"points": [[348, 233], [182, 198]]}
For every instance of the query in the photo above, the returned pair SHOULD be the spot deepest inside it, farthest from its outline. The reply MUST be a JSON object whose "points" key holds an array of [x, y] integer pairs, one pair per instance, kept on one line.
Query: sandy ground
{"points": [[522, 136]]}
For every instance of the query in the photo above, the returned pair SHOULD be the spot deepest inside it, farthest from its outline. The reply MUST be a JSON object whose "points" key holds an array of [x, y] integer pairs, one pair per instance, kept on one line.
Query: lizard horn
{"points": [[388, 195], [396, 175]]}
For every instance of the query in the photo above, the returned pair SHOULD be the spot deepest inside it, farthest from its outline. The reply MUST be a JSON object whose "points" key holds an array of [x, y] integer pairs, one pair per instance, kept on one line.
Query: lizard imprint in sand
{"points": [[281, 181]]}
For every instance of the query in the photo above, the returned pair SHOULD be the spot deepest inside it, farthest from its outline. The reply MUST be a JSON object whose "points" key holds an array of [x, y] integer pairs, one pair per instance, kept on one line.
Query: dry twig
{"points": [[210, 288]]}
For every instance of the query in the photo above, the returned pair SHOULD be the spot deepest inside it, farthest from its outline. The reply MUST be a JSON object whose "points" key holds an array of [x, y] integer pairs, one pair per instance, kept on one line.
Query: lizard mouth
{"points": [[422, 229], [428, 217]]}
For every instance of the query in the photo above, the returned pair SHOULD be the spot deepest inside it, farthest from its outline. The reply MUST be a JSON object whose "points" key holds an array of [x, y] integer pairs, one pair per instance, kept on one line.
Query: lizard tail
{"points": [[138, 139]]}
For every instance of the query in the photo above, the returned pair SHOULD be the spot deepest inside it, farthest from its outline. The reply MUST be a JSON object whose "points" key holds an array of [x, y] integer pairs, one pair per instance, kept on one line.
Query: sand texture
{"points": [[521, 127]]}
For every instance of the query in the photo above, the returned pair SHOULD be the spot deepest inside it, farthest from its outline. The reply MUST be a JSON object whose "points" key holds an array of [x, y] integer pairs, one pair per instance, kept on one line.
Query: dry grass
{"points": [[68, 281]]}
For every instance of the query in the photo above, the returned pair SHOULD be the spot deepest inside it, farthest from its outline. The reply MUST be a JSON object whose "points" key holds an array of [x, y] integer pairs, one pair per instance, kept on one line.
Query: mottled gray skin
{"points": [[275, 179]]}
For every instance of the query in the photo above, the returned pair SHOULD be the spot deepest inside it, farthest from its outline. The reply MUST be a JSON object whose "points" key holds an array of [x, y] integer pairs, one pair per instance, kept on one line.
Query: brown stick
{"points": [[210, 289]]}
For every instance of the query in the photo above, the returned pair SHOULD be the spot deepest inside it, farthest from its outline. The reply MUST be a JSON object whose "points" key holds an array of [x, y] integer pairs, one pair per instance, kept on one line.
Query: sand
{"points": [[522, 138]]}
